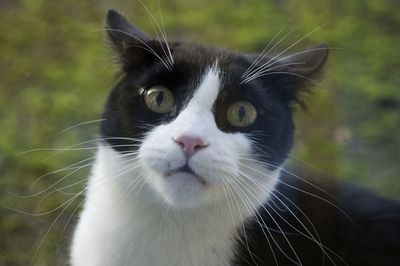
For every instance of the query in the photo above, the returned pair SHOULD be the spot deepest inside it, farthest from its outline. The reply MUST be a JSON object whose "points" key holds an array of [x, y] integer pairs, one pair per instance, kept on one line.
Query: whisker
{"points": [[301, 39], [323, 247], [257, 69], [76, 169], [78, 125], [242, 223], [298, 262], [306, 192], [291, 174], [252, 207], [143, 182], [286, 73], [170, 62], [268, 67], [165, 35], [37, 214], [294, 157], [58, 150], [261, 55], [72, 199], [60, 189], [67, 186], [229, 205], [318, 197], [144, 43], [69, 220], [130, 188], [311, 237], [58, 182], [70, 167], [227, 196]]}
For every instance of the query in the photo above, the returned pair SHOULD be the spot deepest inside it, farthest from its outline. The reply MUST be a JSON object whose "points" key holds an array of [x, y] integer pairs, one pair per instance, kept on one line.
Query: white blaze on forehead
{"points": [[207, 92]]}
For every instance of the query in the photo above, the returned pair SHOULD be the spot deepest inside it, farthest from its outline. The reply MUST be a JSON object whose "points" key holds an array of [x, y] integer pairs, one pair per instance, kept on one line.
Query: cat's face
{"points": [[199, 129]]}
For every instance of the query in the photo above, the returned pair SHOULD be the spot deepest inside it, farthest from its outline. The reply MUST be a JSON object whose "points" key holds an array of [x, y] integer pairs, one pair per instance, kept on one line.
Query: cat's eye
{"points": [[159, 99], [241, 114]]}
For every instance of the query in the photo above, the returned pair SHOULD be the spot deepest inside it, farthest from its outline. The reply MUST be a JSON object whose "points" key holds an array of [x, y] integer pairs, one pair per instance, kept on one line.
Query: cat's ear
{"points": [[307, 63], [294, 74], [122, 34]]}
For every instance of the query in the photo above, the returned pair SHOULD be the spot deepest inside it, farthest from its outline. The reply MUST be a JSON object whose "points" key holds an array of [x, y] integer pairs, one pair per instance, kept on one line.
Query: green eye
{"points": [[241, 114], [159, 99]]}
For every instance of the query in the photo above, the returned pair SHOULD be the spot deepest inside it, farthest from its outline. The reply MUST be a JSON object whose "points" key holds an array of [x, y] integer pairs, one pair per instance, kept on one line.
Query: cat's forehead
{"points": [[205, 57], [207, 90], [199, 62], [193, 62]]}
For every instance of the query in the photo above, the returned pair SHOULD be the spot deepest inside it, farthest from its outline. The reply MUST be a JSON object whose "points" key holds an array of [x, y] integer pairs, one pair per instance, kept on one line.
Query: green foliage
{"points": [[56, 72]]}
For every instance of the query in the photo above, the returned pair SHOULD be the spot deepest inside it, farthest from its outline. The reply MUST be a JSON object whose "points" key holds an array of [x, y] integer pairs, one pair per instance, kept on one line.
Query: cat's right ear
{"points": [[122, 34]]}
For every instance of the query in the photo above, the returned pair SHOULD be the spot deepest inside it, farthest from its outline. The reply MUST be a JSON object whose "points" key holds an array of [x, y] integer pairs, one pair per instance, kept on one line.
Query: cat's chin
{"points": [[187, 174], [183, 189]]}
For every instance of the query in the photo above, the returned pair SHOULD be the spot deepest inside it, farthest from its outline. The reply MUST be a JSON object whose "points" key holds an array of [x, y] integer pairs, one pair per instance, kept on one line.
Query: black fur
{"points": [[360, 227], [373, 235]]}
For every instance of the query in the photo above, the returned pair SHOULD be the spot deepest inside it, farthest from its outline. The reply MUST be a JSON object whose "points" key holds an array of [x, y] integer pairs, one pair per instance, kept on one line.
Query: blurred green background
{"points": [[56, 71]]}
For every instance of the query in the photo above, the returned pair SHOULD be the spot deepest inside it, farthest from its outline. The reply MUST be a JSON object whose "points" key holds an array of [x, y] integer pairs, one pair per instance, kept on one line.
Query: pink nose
{"points": [[190, 144]]}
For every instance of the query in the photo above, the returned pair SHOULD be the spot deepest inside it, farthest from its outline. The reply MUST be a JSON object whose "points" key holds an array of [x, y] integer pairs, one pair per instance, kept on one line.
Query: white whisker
{"points": [[290, 173], [242, 221], [249, 78], [311, 236], [78, 125], [253, 211], [269, 67], [169, 57], [72, 199], [145, 44], [251, 73], [298, 262], [263, 54]]}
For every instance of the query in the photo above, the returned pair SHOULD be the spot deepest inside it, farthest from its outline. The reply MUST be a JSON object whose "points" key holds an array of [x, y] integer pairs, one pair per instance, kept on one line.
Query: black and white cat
{"points": [[189, 169]]}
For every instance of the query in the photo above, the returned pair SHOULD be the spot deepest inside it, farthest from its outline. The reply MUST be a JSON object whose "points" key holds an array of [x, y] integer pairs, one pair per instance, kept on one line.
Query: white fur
{"points": [[174, 220]]}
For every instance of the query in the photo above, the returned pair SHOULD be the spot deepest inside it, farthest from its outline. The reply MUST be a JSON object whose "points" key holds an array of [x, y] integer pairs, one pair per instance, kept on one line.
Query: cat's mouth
{"points": [[187, 170]]}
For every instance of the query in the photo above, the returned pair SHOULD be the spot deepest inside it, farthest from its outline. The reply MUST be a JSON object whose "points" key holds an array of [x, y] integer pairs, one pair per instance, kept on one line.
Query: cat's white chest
{"points": [[116, 237]]}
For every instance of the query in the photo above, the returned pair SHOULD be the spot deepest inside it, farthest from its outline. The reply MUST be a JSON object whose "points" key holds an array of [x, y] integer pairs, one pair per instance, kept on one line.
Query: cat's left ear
{"points": [[122, 33], [134, 49]]}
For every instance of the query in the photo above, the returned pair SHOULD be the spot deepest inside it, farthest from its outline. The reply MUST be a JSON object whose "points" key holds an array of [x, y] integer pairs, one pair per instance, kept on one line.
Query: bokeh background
{"points": [[56, 71]]}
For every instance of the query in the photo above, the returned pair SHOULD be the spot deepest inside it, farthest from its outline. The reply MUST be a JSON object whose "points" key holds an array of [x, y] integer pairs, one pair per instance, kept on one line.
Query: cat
{"points": [[189, 171]]}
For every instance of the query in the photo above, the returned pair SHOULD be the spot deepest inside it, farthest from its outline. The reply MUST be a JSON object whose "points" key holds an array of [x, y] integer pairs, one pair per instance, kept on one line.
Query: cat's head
{"points": [[203, 120]]}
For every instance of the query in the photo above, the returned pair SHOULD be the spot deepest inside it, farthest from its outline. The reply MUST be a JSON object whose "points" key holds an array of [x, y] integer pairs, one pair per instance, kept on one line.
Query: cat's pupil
{"points": [[159, 98], [241, 113]]}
